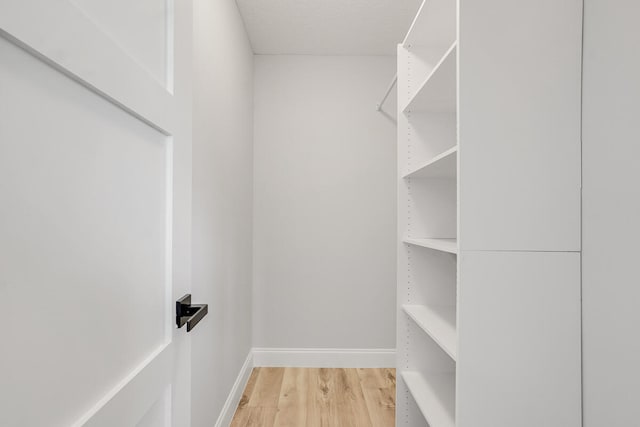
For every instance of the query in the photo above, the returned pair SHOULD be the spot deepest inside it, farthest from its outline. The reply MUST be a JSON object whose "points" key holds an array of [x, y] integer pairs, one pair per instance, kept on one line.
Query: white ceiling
{"points": [[327, 27]]}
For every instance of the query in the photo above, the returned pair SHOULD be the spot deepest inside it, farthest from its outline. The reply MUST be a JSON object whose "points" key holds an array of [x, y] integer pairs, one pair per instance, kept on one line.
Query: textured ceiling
{"points": [[327, 27]]}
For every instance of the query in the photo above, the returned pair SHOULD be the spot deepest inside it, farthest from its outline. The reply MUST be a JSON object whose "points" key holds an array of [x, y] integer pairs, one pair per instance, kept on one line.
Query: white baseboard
{"points": [[324, 357], [229, 408]]}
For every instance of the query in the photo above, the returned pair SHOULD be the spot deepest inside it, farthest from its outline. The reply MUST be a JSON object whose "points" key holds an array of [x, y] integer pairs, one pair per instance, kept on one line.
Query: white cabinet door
{"points": [[94, 212], [519, 112], [519, 340]]}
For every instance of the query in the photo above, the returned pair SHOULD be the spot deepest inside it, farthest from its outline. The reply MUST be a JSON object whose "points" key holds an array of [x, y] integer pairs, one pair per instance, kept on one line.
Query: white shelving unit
{"points": [[428, 155], [488, 285]]}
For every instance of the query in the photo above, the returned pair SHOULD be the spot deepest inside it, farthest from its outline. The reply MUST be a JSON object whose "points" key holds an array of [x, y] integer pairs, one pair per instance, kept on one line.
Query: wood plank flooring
{"points": [[318, 397]]}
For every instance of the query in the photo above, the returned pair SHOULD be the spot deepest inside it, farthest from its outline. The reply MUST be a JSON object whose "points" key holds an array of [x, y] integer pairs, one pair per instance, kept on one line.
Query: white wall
{"points": [[222, 203], [324, 203], [611, 213]]}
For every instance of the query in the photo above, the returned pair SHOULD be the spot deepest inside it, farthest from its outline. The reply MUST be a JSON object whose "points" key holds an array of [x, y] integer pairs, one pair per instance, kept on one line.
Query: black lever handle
{"points": [[188, 313]]}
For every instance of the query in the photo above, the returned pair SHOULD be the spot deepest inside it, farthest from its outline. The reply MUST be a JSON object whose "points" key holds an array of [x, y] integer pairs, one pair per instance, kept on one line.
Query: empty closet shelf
{"points": [[438, 92], [444, 165], [438, 322], [435, 396], [444, 245]]}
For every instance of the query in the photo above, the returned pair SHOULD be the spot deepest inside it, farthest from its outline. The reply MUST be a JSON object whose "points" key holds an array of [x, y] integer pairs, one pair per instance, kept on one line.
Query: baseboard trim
{"points": [[229, 408], [324, 357]]}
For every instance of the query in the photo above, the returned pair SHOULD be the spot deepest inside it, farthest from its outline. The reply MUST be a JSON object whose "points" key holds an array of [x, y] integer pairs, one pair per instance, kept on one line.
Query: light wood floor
{"points": [[318, 397]]}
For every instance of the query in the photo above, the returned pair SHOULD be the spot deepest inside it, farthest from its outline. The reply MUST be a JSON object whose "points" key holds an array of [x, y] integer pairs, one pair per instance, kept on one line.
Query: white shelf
{"points": [[435, 397], [443, 165], [444, 245], [434, 23], [438, 92], [438, 322]]}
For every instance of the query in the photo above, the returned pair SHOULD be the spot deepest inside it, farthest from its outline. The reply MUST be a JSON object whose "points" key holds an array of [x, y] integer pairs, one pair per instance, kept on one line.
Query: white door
{"points": [[94, 212]]}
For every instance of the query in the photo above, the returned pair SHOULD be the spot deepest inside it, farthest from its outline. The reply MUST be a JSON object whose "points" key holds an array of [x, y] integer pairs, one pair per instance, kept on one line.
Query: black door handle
{"points": [[189, 313]]}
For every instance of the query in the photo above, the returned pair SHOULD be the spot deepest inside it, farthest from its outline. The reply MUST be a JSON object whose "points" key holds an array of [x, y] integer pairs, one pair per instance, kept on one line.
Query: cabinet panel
{"points": [[519, 361], [519, 124]]}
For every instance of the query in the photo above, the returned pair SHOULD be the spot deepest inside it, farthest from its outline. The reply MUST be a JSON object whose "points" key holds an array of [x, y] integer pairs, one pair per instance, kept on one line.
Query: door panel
{"points": [[82, 231], [88, 143], [156, 416], [62, 35], [140, 27]]}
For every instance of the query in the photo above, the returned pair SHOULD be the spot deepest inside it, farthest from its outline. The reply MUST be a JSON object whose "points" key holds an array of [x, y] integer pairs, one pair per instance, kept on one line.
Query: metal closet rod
{"points": [[386, 94]]}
